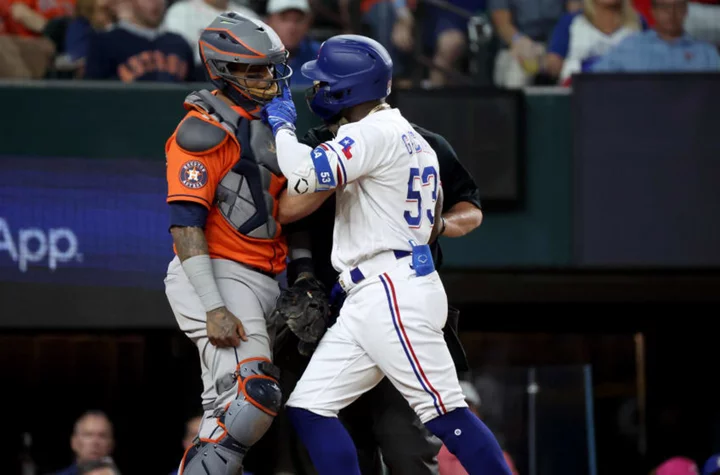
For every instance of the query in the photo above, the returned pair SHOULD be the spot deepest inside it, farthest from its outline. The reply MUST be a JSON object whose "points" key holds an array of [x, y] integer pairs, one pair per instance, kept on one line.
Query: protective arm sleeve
{"points": [[199, 272], [305, 172]]}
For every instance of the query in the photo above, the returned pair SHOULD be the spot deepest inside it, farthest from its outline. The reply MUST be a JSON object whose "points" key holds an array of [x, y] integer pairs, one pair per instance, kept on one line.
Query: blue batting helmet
{"points": [[350, 70]]}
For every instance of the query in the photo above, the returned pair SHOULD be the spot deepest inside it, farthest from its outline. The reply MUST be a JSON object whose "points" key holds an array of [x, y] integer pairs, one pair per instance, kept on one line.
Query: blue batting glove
{"points": [[280, 113]]}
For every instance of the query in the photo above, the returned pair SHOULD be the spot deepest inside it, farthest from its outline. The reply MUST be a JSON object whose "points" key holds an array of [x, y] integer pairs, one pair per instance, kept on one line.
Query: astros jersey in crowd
{"points": [[132, 53], [211, 162]]}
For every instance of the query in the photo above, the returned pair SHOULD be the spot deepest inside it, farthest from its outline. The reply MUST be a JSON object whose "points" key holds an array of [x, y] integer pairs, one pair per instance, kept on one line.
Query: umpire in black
{"points": [[383, 426]]}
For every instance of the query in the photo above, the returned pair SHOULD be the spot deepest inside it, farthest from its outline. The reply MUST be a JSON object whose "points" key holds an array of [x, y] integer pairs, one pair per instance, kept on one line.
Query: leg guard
{"points": [[243, 421]]}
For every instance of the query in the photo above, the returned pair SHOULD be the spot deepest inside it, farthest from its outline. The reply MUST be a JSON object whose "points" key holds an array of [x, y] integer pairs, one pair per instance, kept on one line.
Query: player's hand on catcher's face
{"points": [[280, 113], [224, 329]]}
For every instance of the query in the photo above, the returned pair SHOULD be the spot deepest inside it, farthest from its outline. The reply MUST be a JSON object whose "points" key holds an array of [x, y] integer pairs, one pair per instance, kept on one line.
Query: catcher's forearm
{"points": [[189, 241], [192, 249], [294, 208]]}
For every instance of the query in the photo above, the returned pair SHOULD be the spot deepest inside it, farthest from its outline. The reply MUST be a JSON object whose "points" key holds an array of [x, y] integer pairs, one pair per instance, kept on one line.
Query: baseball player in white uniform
{"points": [[390, 325]]}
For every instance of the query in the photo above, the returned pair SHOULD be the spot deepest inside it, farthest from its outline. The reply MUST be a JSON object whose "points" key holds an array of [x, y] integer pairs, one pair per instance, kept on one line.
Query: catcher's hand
{"points": [[304, 308]]}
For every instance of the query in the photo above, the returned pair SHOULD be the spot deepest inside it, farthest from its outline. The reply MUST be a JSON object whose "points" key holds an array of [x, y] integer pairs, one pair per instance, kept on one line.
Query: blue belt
{"points": [[357, 276], [337, 294]]}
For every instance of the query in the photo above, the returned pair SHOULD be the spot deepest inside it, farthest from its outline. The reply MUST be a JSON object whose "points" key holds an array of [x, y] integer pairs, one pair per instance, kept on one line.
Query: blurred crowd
{"points": [[434, 43], [92, 443]]}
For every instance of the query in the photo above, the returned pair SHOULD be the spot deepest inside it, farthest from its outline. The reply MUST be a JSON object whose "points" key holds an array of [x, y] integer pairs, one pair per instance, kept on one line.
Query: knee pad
{"points": [[243, 420], [258, 401]]}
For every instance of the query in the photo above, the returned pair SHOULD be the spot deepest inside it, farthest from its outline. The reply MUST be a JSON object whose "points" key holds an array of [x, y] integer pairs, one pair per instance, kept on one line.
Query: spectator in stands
{"points": [[23, 57], [137, 50], [192, 429], [30, 17], [524, 27], [188, 18], [703, 20], [123, 9], [677, 466], [379, 17], [712, 465], [90, 16], [581, 39], [447, 462], [98, 467], [666, 48], [644, 8], [444, 32], [91, 441], [291, 20]]}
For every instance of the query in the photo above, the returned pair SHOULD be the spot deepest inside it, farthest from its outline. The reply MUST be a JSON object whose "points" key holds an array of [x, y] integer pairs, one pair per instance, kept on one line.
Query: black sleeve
{"points": [[316, 136], [189, 214], [457, 183]]}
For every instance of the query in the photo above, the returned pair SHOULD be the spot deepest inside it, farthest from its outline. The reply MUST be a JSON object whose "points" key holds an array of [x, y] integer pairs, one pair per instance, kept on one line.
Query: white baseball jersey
{"points": [[387, 179], [391, 322]]}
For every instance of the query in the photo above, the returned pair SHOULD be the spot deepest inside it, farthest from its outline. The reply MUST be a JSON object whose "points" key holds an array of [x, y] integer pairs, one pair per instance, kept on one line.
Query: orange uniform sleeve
{"points": [[194, 176]]}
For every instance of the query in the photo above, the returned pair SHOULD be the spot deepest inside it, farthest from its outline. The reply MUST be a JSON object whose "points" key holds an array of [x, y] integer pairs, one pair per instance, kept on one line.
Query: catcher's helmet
{"points": [[233, 39], [349, 70]]}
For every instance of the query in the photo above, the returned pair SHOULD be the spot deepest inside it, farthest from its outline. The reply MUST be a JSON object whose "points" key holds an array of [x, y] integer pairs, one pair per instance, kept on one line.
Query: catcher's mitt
{"points": [[304, 308]]}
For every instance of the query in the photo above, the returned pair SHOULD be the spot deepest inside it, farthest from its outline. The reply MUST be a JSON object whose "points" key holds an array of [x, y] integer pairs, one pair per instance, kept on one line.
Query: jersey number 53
{"points": [[422, 195]]}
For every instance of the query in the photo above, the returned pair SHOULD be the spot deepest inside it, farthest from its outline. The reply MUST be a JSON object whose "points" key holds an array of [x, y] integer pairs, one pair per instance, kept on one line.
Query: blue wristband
{"points": [[283, 125]]}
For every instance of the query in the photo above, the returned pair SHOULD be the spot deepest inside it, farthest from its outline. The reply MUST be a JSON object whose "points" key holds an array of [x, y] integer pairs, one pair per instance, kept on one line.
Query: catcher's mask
{"points": [[245, 60]]}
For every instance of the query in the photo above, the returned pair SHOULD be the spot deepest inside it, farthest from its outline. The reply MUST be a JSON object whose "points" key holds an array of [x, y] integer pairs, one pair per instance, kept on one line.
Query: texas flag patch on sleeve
{"points": [[347, 144]]}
